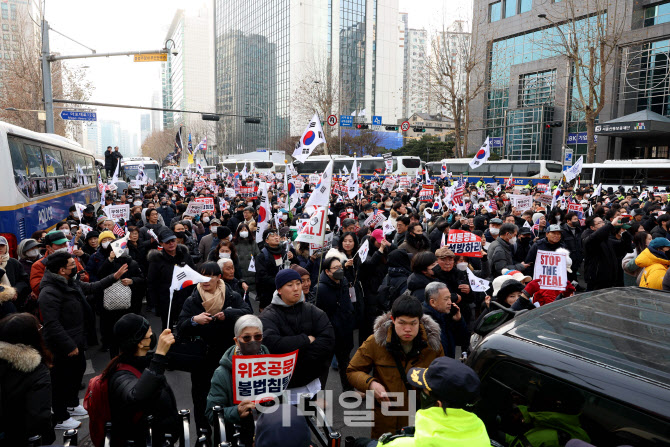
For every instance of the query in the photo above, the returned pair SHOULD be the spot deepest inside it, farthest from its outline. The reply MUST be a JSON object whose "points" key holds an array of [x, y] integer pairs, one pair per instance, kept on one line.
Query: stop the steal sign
{"points": [[551, 270]]}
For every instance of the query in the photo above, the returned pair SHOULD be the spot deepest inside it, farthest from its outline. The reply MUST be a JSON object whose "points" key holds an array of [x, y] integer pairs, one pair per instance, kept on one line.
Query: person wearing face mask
{"points": [[572, 238], [136, 215], [166, 210], [132, 278], [248, 341], [247, 249], [54, 241], [210, 313], [185, 238], [137, 386], [29, 252], [12, 274], [522, 247], [332, 296], [424, 269], [101, 254], [415, 241], [68, 320], [205, 244], [493, 231], [551, 242], [500, 252]]}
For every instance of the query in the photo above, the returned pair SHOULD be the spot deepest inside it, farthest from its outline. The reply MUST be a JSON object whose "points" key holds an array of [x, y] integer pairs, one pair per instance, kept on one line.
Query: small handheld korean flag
{"points": [[252, 265], [598, 190], [482, 154], [363, 251], [310, 139], [183, 277]]}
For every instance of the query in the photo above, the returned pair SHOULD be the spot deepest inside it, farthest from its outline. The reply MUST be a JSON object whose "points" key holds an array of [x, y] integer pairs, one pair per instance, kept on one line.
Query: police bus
{"points": [[50, 174], [523, 171], [367, 166], [628, 173]]}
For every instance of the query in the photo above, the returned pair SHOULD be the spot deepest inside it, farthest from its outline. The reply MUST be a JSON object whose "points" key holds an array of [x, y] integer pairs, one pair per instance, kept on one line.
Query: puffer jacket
{"points": [[221, 393], [26, 395], [501, 257], [246, 249], [287, 328], [654, 264], [334, 300], [416, 284], [150, 394], [376, 360]]}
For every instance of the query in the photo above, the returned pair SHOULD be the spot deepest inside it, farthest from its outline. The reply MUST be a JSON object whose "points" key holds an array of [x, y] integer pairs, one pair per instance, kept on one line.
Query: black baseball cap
{"points": [[450, 381]]}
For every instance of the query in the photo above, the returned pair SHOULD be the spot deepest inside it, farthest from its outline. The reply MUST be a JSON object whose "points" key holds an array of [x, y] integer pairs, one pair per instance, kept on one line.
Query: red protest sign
{"points": [[426, 193], [208, 201], [249, 192], [464, 243]]}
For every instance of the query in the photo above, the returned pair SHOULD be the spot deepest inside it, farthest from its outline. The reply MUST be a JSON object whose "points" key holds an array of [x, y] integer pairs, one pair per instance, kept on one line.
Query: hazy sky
{"points": [[128, 25]]}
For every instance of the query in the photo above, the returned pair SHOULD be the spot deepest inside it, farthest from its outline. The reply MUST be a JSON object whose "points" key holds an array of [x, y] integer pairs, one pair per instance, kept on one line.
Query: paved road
{"points": [[180, 382]]}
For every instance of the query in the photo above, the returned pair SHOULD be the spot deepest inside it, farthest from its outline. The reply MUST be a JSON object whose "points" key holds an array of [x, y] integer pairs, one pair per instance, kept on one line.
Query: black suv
{"points": [[594, 367]]}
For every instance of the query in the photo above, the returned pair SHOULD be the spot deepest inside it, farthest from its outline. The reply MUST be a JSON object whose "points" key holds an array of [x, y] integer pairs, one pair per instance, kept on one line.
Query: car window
{"points": [[509, 391]]}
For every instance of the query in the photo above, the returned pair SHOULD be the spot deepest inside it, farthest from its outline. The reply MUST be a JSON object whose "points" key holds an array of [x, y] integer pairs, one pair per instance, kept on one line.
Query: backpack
{"points": [[96, 402]]}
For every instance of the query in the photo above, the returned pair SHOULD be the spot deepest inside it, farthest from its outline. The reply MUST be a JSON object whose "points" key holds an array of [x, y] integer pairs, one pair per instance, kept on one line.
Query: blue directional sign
{"points": [[346, 120], [376, 120], [78, 116]]}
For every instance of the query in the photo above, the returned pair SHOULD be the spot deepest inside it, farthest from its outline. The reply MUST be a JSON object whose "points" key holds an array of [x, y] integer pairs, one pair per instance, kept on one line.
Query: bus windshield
{"points": [[411, 162], [263, 164], [152, 171]]}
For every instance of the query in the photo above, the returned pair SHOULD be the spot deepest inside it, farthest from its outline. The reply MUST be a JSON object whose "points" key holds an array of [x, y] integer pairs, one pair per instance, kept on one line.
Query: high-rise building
{"points": [[188, 76], [110, 134], [415, 99], [156, 116], [92, 138], [125, 144], [145, 126], [266, 52], [451, 48]]}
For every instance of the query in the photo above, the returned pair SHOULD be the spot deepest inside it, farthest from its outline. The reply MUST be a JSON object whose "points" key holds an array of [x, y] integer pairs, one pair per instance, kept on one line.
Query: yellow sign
{"points": [[151, 57]]}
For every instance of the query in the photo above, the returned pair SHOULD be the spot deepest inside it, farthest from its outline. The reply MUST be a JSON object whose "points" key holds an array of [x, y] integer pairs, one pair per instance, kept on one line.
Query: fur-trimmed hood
{"points": [[335, 253], [21, 357], [429, 331], [7, 293]]}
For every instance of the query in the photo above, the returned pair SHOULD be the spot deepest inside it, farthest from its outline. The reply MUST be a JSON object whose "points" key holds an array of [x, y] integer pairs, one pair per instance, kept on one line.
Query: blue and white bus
{"points": [[50, 173], [367, 166], [523, 171]]}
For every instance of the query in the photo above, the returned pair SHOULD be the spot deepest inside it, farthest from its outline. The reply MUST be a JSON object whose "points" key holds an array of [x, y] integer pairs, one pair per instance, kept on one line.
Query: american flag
{"points": [[494, 205], [536, 227], [457, 197], [118, 230]]}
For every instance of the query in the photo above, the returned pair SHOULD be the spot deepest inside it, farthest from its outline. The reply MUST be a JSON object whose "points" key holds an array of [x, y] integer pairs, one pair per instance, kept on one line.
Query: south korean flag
{"points": [[311, 138]]}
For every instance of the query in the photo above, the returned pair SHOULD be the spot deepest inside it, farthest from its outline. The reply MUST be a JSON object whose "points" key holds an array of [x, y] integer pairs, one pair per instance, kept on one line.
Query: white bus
{"points": [[261, 166], [44, 174], [628, 173], [130, 166], [523, 171], [367, 166]]}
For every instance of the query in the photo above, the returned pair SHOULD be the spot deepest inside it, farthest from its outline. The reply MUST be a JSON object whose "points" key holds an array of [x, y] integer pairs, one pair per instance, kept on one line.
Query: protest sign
{"points": [[315, 229], [249, 192], [260, 378], [426, 193], [194, 208], [314, 178], [317, 249], [551, 270], [299, 183], [577, 209], [136, 184], [212, 175], [404, 182], [389, 183], [521, 202], [229, 192], [207, 201], [545, 199], [388, 162], [542, 187], [116, 212], [375, 219], [464, 243]]}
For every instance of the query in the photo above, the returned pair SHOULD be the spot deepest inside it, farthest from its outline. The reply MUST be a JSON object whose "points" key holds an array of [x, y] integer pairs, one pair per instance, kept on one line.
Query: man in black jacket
{"points": [[457, 282], [272, 258], [605, 244], [159, 276], [110, 161], [289, 323], [572, 238], [67, 316]]}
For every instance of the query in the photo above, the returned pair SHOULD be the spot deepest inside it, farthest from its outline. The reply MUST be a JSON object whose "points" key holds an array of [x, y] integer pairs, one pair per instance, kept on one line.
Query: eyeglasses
{"points": [[256, 337]]}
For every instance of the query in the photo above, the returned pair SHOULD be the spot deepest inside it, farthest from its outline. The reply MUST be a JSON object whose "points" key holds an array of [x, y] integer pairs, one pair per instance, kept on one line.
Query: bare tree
{"points": [[159, 144], [587, 33], [457, 57]]}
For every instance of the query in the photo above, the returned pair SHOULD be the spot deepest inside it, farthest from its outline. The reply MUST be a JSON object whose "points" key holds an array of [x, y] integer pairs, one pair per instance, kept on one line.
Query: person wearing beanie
{"points": [[307, 290], [137, 386], [105, 240], [54, 241], [273, 257], [290, 323], [654, 261]]}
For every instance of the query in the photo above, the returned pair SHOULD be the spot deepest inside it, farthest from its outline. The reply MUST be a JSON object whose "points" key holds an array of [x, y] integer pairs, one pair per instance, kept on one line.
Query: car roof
{"points": [[627, 329]]}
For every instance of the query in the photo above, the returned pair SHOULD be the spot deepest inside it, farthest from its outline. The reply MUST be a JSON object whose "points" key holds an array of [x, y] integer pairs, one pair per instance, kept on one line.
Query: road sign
{"points": [[346, 120], [376, 120], [332, 120], [567, 160], [404, 126], [75, 115], [150, 57]]}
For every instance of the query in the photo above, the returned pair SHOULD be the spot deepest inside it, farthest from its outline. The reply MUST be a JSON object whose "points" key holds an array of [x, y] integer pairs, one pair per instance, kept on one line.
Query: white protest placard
{"points": [[374, 220], [317, 249], [212, 175], [229, 192], [521, 202], [315, 229], [542, 186], [388, 228], [551, 270], [207, 201], [260, 378], [314, 178], [545, 199], [404, 182], [116, 212], [194, 209], [389, 183], [136, 184]]}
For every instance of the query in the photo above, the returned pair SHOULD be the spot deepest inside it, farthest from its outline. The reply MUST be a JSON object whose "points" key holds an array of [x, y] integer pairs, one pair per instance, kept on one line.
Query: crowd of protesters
{"points": [[407, 304]]}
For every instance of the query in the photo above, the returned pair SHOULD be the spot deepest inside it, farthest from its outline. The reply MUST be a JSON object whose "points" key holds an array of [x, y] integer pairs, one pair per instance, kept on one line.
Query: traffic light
{"points": [[391, 127], [252, 120], [419, 129], [550, 124], [209, 117], [362, 126]]}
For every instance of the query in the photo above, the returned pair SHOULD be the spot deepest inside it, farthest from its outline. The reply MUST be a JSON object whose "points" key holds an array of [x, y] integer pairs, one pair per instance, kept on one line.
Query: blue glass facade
{"points": [[352, 54]]}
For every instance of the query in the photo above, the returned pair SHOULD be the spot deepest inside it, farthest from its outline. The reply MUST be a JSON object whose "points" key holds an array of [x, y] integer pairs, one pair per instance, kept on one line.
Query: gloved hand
{"points": [[532, 288]]}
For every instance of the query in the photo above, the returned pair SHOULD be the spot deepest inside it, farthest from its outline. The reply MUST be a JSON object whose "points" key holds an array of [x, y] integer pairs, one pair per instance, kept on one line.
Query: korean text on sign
{"points": [[207, 201], [464, 243], [260, 378], [249, 192]]}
